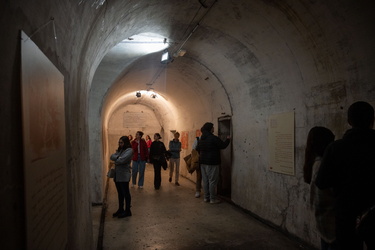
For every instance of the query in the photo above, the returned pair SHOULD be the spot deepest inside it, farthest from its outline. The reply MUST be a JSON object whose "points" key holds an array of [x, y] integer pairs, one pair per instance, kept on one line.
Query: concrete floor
{"points": [[172, 218]]}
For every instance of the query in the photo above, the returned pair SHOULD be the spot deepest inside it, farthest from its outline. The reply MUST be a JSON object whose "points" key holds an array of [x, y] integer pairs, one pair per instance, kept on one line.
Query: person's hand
{"points": [[228, 136]]}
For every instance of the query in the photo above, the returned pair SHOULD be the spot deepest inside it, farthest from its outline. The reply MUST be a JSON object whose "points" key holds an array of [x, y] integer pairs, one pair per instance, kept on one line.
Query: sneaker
{"points": [[206, 200], [132, 185], [215, 201], [177, 184], [140, 187], [197, 194], [170, 179]]}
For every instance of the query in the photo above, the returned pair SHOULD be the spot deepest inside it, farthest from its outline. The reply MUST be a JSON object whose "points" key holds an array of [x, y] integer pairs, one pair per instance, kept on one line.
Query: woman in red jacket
{"points": [[140, 156]]}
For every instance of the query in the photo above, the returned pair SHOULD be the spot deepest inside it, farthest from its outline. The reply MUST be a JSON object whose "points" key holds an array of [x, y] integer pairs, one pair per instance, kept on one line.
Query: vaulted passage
{"points": [[246, 66]]}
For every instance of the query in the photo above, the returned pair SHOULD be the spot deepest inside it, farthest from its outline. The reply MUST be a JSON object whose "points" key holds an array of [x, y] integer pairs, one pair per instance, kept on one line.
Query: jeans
{"points": [[123, 193], [210, 177], [138, 166], [173, 162]]}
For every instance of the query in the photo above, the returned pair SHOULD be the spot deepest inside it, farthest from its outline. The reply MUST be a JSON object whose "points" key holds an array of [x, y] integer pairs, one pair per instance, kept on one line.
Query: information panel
{"points": [[44, 149], [281, 143]]}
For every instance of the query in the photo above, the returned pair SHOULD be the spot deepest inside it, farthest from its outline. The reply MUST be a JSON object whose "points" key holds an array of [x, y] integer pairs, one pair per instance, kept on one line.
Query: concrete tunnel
{"points": [[242, 60]]}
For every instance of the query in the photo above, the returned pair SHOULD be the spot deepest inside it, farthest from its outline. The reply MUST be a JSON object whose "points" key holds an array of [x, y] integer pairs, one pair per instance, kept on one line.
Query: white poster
{"points": [[43, 117], [281, 143]]}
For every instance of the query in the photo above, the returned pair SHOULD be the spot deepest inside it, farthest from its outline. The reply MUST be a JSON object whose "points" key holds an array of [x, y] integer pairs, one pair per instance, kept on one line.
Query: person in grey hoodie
{"points": [[122, 159], [209, 147]]}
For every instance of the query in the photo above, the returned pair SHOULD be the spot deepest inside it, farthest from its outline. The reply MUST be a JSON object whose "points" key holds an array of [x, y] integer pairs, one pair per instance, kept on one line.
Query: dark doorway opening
{"points": [[225, 182]]}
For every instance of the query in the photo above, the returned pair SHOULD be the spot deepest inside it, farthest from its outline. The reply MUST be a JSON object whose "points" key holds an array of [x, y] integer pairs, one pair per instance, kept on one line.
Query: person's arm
{"points": [[222, 144], [144, 148], [125, 157], [114, 156]]}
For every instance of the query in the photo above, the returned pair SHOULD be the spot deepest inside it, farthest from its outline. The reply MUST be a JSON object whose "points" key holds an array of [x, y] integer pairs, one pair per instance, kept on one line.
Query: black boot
{"points": [[118, 212], [124, 214]]}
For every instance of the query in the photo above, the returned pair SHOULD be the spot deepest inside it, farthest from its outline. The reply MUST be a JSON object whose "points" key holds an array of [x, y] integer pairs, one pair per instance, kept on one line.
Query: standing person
{"points": [[348, 166], [322, 201], [198, 172], [148, 142], [157, 152], [175, 149], [140, 155], [130, 138], [209, 147], [122, 159]]}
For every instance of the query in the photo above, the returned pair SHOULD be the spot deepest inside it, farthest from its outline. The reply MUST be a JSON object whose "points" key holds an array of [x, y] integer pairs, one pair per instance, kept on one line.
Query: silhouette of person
{"points": [[348, 166], [321, 201]]}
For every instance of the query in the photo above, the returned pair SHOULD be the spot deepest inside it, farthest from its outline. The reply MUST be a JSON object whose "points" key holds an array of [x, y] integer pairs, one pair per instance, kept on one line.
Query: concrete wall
{"points": [[261, 58]]}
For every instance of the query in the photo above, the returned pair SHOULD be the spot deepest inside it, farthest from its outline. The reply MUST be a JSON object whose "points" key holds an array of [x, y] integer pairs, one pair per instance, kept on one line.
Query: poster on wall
{"points": [[43, 119], [281, 143], [184, 139]]}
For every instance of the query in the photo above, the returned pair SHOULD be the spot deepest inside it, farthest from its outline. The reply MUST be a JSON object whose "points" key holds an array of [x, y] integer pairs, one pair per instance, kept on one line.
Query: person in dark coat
{"points": [[348, 166], [157, 158], [209, 147]]}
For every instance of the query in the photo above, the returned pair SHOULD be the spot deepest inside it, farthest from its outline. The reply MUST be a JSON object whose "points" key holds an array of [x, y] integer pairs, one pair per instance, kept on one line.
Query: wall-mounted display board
{"points": [[281, 143], [43, 121]]}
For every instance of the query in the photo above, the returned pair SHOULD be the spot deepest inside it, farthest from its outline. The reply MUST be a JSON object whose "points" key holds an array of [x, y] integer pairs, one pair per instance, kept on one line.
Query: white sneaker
{"points": [[132, 185], [197, 194], [140, 187]]}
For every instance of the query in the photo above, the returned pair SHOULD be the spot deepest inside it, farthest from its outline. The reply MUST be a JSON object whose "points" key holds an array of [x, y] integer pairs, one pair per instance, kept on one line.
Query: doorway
{"points": [[225, 181]]}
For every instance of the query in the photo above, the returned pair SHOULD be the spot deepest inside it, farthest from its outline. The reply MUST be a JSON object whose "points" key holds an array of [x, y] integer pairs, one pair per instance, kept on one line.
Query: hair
{"points": [[126, 141], [158, 135], [140, 133], [207, 127], [130, 137], [177, 133], [361, 115], [148, 137], [317, 141]]}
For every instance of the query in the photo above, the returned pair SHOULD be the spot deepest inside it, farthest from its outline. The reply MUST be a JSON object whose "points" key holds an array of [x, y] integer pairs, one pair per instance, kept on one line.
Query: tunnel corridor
{"points": [[244, 65]]}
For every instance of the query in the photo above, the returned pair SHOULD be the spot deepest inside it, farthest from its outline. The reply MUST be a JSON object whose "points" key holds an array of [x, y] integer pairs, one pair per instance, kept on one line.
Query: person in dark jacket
{"points": [[175, 149], [209, 147], [348, 166], [157, 158]]}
